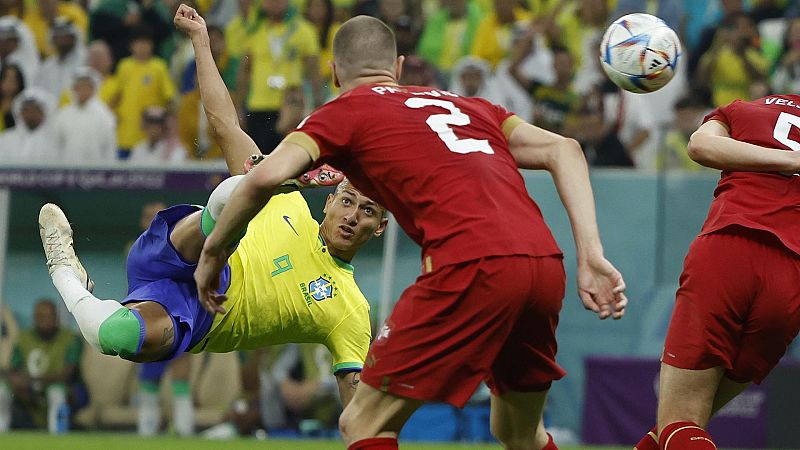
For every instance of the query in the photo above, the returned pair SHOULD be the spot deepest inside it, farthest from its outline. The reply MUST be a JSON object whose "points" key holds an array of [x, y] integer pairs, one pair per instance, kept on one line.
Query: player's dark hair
{"points": [[364, 44]]}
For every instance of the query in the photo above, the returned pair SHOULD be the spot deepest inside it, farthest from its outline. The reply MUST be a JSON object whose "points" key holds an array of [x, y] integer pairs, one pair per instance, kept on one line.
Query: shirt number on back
{"points": [[782, 128], [439, 124]]}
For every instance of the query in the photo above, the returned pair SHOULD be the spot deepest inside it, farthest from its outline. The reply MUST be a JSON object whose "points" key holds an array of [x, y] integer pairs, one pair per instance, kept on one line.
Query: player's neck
{"points": [[375, 79], [344, 255]]}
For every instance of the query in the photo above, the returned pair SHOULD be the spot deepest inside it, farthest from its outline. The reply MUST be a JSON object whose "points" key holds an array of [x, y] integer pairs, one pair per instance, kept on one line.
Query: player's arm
{"points": [[347, 382], [254, 191], [600, 285], [223, 120], [712, 146]]}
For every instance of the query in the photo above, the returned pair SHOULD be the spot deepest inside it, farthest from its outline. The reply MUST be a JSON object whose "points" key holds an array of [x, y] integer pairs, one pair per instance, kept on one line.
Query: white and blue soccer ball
{"points": [[640, 52]]}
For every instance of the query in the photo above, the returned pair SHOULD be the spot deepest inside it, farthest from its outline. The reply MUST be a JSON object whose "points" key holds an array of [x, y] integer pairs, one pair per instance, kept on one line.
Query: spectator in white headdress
{"points": [[32, 139], [18, 47], [56, 72], [86, 129]]}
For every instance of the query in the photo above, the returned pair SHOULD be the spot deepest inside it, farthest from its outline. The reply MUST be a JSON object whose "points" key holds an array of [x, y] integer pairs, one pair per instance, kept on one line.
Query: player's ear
{"points": [[328, 203], [399, 67], [382, 227], [336, 82]]}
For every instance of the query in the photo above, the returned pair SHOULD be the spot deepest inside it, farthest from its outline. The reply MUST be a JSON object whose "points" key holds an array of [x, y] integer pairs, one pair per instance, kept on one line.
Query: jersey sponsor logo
{"points": [[286, 218], [320, 289]]}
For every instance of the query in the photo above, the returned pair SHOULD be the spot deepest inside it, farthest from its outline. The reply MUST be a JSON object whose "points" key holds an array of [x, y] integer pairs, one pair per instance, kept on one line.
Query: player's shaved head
{"points": [[364, 46]]}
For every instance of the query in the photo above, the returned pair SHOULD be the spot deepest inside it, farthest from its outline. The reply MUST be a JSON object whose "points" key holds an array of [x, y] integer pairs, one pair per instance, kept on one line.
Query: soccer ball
{"points": [[640, 53]]}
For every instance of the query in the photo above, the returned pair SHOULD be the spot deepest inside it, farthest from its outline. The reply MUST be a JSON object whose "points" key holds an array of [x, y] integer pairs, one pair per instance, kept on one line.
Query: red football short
{"points": [[738, 305], [490, 319]]}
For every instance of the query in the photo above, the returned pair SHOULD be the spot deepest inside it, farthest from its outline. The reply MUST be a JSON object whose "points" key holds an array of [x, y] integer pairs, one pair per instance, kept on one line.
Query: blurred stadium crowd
{"points": [[94, 81], [104, 82]]}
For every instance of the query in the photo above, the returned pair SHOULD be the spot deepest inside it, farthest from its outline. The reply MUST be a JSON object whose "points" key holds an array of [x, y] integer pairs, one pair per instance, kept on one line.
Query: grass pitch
{"points": [[126, 441]]}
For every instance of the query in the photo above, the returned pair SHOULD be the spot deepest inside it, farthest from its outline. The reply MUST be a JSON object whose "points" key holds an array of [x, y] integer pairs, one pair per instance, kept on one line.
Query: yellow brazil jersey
{"points": [[140, 84], [286, 287], [277, 51]]}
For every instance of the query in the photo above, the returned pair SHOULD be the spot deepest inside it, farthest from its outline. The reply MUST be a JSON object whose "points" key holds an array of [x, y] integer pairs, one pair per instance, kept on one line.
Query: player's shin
{"points": [[148, 419], [182, 408], [109, 327]]}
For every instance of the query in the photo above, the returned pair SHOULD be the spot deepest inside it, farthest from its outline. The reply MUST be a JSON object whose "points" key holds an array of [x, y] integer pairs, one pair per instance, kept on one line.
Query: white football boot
{"points": [[56, 234]]}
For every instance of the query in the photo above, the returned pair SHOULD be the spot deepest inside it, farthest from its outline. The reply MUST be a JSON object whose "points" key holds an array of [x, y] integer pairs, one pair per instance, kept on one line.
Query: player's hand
{"points": [[188, 20], [252, 161], [206, 276], [601, 288]]}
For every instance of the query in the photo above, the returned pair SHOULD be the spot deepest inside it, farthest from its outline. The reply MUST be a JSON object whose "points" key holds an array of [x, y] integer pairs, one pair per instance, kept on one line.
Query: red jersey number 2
{"points": [[439, 123], [783, 126]]}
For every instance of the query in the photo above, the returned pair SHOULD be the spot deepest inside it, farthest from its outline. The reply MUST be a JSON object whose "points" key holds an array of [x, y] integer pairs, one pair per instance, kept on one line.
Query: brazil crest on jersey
{"points": [[286, 287]]}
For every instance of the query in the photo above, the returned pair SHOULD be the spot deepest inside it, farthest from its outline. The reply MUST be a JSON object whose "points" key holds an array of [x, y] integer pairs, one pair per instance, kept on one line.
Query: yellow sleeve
{"points": [[349, 341]]}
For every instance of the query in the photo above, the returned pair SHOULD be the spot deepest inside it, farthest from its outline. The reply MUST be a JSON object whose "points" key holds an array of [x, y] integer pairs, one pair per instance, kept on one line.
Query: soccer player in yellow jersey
{"points": [[288, 280]]}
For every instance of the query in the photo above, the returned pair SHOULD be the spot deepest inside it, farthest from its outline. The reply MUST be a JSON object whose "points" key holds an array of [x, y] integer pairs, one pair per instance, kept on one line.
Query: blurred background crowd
{"points": [[98, 81], [111, 82]]}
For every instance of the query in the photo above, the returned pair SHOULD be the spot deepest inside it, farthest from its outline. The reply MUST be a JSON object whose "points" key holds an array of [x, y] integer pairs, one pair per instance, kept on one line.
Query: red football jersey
{"points": [[764, 201], [440, 163]]}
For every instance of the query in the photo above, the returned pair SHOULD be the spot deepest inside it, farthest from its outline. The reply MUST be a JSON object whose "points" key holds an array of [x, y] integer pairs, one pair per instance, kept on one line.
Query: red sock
{"points": [[550, 444], [685, 436], [374, 444], [649, 441]]}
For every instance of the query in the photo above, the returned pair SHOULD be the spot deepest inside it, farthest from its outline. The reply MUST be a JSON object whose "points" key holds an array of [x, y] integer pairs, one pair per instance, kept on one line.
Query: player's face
{"points": [[351, 218]]}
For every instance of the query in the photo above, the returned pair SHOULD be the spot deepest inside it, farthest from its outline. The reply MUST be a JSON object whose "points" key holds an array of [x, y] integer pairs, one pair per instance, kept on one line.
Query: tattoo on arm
{"points": [[355, 380]]}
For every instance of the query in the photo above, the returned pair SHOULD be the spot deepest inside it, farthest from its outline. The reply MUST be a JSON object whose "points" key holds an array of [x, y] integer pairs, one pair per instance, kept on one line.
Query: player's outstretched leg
{"points": [[106, 325]]}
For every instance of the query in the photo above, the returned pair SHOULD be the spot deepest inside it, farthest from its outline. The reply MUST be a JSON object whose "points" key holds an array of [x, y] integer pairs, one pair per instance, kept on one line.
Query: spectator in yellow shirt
{"points": [[734, 66], [41, 16], [241, 27], [494, 36], [282, 53], [142, 81]]}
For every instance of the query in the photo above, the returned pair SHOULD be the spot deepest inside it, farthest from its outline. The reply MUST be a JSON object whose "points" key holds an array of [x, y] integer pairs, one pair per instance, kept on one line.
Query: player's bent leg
{"points": [[373, 419], [686, 399], [726, 391], [189, 234], [516, 420]]}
